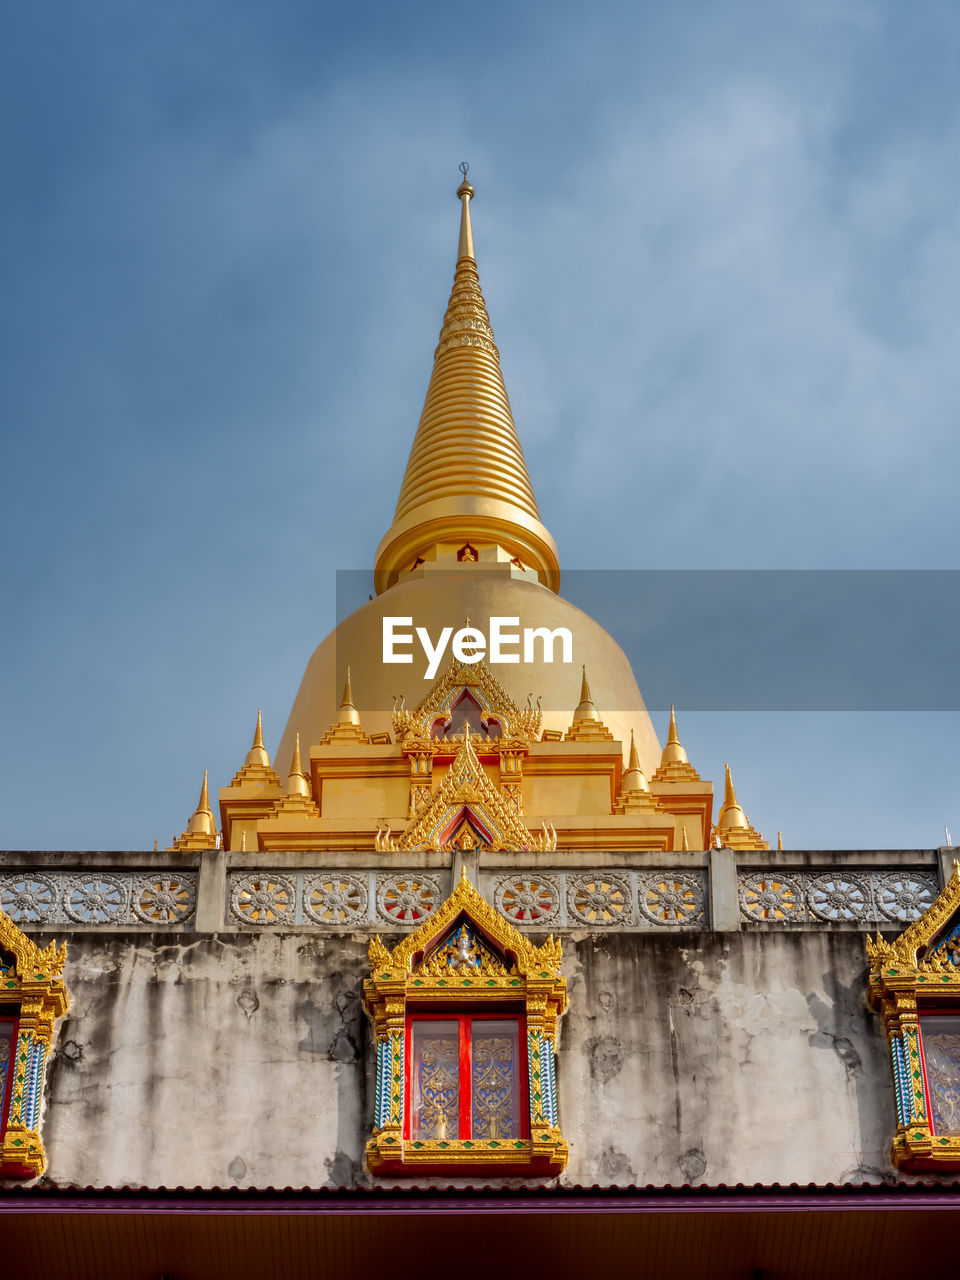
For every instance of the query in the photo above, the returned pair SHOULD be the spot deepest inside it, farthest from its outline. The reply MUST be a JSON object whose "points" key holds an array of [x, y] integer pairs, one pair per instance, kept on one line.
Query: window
{"points": [[34, 996], [940, 1053], [466, 1077], [8, 1038], [915, 985], [465, 1014]]}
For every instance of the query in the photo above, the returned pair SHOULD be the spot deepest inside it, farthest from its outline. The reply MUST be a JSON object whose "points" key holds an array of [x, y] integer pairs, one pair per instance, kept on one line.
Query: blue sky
{"points": [[719, 248]]}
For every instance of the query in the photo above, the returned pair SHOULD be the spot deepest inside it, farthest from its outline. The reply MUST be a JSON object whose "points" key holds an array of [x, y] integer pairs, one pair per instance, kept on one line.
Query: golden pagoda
{"points": [[542, 749]]}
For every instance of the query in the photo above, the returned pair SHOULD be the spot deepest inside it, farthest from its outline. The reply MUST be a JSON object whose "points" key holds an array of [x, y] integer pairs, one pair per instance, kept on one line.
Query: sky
{"points": [[718, 244]]}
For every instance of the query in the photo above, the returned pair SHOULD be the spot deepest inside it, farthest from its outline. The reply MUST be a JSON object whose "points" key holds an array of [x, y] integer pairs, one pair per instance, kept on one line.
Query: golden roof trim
{"points": [[530, 960], [30, 960]]}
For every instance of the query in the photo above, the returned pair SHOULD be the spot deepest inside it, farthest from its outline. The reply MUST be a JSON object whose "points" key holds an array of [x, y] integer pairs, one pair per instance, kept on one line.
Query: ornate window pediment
{"points": [[32, 997], [465, 1011], [446, 714], [467, 812], [915, 985]]}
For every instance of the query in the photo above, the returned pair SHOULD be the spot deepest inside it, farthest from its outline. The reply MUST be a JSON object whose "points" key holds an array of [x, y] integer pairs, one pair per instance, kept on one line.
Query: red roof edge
{"points": [[387, 1201]]}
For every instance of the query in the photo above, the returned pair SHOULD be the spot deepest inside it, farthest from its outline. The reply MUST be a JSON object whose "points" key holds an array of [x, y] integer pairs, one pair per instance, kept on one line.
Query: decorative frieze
{"points": [[836, 897], [39, 899], [603, 899]]}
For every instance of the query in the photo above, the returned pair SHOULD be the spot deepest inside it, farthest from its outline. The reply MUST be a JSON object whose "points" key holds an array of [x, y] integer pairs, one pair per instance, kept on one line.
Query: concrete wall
{"points": [[245, 1058]]}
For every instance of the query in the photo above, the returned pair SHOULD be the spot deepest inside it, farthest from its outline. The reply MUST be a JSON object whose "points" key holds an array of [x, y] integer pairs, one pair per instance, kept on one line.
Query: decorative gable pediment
{"points": [[498, 716], [496, 936], [931, 942], [468, 812]]}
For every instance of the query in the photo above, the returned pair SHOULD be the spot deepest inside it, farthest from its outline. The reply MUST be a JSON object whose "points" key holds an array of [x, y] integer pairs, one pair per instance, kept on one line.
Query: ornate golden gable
{"points": [[513, 975], [34, 985], [466, 900], [494, 701], [916, 938], [919, 973], [466, 792]]}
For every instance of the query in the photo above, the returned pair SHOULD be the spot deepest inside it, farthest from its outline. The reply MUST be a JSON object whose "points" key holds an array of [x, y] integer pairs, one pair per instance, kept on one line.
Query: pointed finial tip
{"points": [[465, 190]]}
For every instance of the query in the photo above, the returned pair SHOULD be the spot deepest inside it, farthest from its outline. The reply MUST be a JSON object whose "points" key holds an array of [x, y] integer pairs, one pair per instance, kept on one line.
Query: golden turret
{"points": [[733, 825], [201, 832], [731, 815], [680, 789], [466, 482], [633, 779], [348, 712], [250, 795], [202, 821], [586, 710], [674, 765], [295, 812], [257, 755], [673, 753], [298, 784], [635, 797], [346, 727], [587, 725]]}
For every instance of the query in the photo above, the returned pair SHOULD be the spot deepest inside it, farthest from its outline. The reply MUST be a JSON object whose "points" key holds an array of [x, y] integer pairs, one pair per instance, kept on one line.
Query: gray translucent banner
{"points": [[768, 640]]}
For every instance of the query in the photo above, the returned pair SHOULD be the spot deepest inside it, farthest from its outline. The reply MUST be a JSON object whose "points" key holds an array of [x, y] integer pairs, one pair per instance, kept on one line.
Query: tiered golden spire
{"points": [[201, 832], [587, 725], [586, 708], [673, 753], [258, 753], [348, 711], [633, 779], [466, 479], [202, 820], [347, 726], [733, 825], [674, 765], [298, 784]]}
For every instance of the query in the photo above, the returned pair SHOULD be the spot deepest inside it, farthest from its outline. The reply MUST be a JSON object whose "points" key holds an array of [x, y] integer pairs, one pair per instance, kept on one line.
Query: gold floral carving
{"points": [[511, 973], [467, 793], [916, 970], [31, 980], [521, 724]]}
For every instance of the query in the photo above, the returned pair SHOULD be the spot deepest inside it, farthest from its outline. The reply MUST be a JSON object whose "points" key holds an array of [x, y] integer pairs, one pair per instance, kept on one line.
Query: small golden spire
{"points": [[298, 784], [633, 779], [684, 842], [673, 750], [465, 194], [780, 840], [258, 752], [243, 841], [586, 710], [731, 815], [348, 712], [201, 821]]}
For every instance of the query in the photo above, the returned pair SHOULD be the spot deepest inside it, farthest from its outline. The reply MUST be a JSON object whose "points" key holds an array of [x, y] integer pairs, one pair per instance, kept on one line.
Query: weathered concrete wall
{"points": [[246, 1059], [723, 1058]]}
